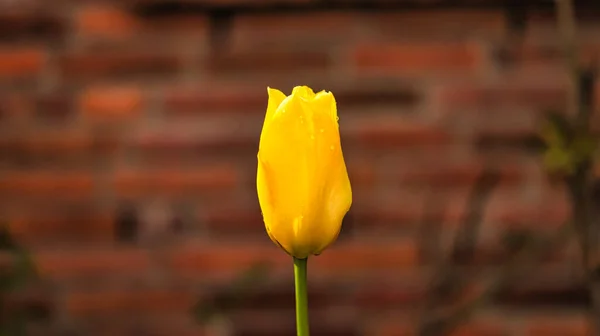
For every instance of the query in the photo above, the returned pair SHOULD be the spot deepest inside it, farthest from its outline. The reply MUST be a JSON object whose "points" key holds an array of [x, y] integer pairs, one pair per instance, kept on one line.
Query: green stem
{"points": [[301, 297]]}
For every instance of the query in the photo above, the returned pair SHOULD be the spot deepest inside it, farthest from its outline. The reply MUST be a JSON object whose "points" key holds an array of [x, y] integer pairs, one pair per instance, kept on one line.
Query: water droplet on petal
{"points": [[312, 137], [331, 147], [321, 130]]}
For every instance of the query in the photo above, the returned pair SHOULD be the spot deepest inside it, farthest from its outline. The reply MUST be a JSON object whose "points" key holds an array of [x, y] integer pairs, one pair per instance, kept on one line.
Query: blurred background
{"points": [[128, 140]]}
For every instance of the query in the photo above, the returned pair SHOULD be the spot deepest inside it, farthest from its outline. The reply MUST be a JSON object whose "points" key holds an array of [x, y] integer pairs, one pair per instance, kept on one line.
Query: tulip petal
{"points": [[325, 101], [302, 183], [276, 97]]}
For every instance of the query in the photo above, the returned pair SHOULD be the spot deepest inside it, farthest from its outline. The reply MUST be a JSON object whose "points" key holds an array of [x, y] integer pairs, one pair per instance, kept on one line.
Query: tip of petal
{"points": [[303, 92]]}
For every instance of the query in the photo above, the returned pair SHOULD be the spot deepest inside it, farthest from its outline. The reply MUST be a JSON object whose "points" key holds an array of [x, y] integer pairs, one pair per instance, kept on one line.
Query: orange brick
{"points": [[132, 182], [111, 102], [102, 20], [138, 301], [92, 263], [47, 184], [21, 62], [419, 58]]}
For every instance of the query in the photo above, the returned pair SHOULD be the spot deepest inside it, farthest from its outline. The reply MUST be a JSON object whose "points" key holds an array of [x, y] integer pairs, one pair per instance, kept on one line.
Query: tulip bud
{"points": [[302, 183]]}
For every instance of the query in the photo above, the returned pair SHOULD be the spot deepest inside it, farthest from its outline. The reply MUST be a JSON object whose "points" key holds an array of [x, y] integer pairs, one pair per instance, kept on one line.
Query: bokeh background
{"points": [[129, 133]]}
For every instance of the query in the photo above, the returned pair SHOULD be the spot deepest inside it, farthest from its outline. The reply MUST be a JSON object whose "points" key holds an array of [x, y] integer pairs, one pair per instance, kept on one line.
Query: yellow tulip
{"points": [[302, 183]]}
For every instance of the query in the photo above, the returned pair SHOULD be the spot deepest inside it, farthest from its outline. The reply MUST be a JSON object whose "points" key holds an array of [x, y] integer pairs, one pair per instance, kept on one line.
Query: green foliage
{"points": [[567, 147], [16, 274]]}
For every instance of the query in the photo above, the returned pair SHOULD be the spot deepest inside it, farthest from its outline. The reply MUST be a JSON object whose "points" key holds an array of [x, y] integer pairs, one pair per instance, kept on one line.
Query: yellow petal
{"points": [[303, 92], [302, 183], [276, 97]]}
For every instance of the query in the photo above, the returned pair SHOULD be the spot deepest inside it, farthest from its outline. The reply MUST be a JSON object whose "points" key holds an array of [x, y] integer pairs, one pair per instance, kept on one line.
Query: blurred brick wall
{"points": [[128, 145]]}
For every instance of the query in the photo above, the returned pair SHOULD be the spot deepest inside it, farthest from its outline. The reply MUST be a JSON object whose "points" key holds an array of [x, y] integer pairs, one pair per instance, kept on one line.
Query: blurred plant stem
{"points": [[579, 182], [300, 278], [570, 150]]}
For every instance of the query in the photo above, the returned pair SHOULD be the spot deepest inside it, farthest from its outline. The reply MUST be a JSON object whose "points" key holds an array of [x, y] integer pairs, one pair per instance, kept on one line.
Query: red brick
{"points": [[347, 258], [56, 147], [566, 324], [401, 327], [540, 92], [229, 219], [139, 301], [596, 98], [424, 58], [379, 294], [14, 107], [548, 215], [369, 94], [156, 326], [111, 102], [317, 30], [57, 142], [30, 24], [114, 22], [211, 260], [54, 106], [127, 64], [596, 170], [281, 322], [552, 285], [21, 62], [268, 62], [388, 131], [458, 175], [104, 21], [391, 327], [497, 328], [387, 214], [92, 263], [211, 98], [444, 23], [343, 259], [362, 173], [47, 184], [491, 141], [60, 227], [252, 3], [135, 182], [187, 140]]}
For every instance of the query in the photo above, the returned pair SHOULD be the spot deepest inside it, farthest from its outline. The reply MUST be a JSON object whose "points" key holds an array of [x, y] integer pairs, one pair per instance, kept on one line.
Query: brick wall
{"points": [[129, 132]]}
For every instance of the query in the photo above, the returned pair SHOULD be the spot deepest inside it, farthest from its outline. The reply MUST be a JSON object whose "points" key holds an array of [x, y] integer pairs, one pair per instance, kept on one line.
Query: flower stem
{"points": [[301, 297]]}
